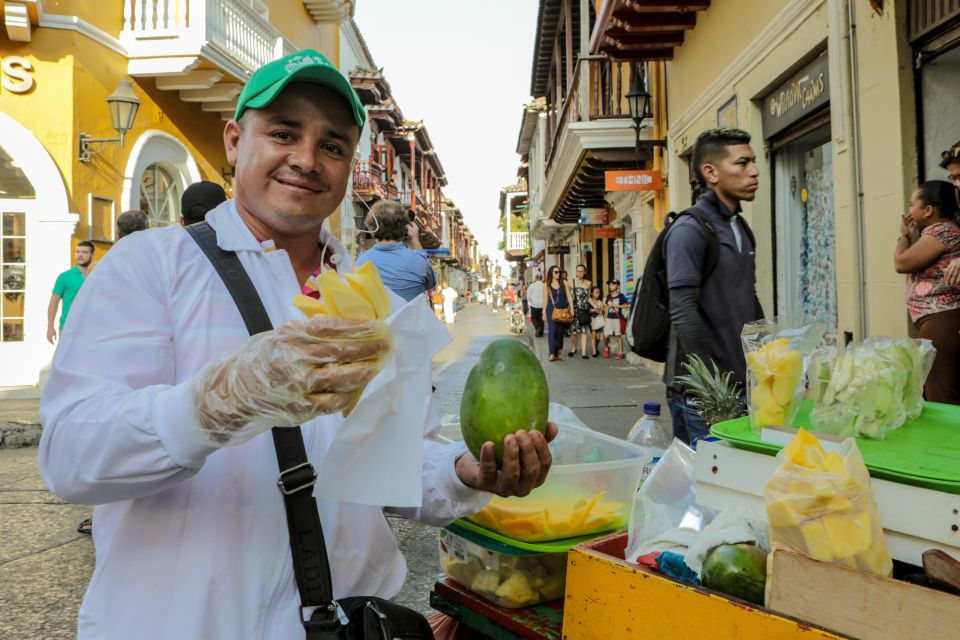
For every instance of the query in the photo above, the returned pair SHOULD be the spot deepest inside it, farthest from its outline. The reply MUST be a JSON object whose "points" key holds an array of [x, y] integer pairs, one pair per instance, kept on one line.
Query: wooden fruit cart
{"points": [[609, 598]]}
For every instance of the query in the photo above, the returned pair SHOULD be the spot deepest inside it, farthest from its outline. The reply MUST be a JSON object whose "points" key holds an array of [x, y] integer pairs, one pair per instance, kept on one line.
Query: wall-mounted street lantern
{"points": [[638, 99], [123, 104]]}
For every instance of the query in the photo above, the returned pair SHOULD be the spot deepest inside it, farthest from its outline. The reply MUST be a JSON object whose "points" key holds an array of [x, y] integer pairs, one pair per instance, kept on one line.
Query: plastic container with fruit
{"points": [[505, 575], [589, 491]]}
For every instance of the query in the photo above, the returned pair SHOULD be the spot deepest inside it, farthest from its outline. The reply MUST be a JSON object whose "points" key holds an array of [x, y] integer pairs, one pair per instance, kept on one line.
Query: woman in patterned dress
{"points": [[934, 305], [581, 313]]}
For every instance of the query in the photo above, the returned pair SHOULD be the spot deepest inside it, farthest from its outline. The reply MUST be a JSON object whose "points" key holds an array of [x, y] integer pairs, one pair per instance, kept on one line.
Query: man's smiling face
{"points": [[293, 158]]}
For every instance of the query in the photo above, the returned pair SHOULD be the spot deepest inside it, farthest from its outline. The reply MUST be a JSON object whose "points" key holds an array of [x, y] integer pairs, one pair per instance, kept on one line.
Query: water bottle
{"points": [[652, 434]]}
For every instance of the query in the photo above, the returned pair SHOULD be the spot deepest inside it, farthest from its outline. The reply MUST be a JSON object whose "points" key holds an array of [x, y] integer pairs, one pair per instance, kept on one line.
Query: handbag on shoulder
{"points": [[323, 618], [560, 316]]}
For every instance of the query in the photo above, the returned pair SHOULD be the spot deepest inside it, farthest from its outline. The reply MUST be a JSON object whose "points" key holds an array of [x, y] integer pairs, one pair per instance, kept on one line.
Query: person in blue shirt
{"points": [[404, 268]]}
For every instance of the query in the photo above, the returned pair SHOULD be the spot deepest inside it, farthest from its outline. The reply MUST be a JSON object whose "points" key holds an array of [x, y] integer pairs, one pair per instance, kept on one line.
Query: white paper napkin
{"points": [[376, 456]]}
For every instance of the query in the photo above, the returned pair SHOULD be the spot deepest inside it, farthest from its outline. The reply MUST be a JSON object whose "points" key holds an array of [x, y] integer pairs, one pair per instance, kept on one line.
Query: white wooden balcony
{"points": [[205, 49], [517, 241]]}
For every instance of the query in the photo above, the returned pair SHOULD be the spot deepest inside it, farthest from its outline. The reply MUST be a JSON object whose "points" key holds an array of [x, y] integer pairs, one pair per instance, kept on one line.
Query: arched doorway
{"points": [[159, 169], [35, 230]]}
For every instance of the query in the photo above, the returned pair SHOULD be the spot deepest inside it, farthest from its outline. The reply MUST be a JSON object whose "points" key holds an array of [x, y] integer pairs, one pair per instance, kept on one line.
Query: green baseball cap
{"points": [[307, 65]]}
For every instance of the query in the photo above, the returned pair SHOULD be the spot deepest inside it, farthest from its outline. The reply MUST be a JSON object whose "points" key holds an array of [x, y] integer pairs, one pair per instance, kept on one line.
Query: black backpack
{"points": [[648, 323]]}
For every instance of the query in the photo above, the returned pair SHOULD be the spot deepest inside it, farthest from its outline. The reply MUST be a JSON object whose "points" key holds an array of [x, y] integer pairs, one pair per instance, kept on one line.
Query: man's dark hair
{"points": [[711, 147], [88, 245], [130, 222], [388, 221]]}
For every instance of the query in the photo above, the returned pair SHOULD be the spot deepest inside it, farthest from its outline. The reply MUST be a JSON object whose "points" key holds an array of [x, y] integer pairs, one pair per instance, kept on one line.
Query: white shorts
{"points": [[612, 327]]}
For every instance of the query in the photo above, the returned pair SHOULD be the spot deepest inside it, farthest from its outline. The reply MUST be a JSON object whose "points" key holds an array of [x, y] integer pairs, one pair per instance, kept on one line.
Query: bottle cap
{"points": [[651, 408]]}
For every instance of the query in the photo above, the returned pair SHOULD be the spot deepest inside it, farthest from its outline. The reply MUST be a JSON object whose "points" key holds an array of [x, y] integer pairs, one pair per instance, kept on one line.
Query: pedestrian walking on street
{"points": [[157, 410], [616, 305], [449, 295], [67, 286], [199, 199], [581, 312], [558, 295], [933, 303], [535, 293], [598, 318], [403, 264], [436, 299], [707, 313]]}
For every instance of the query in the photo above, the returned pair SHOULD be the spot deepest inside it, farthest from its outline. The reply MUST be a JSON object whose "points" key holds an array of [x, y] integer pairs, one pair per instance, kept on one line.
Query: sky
{"points": [[463, 67]]}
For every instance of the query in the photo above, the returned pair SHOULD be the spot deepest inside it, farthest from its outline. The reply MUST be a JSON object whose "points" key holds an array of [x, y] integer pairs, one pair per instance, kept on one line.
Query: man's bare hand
{"points": [[526, 462]]}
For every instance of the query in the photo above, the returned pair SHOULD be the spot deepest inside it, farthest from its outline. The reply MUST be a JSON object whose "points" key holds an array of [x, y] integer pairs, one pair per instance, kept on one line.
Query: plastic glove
{"points": [[287, 376]]}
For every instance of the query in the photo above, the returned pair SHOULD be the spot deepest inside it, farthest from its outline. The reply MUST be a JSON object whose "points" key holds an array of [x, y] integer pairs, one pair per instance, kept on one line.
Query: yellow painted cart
{"points": [[608, 598]]}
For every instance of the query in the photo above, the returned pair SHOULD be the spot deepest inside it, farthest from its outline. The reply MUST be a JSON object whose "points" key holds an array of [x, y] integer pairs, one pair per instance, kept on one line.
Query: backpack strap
{"points": [[711, 257]]}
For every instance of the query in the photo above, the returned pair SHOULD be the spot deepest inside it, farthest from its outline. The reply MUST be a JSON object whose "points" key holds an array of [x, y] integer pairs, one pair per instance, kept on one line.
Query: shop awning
{"points": [[442, 251], [643, 29]]}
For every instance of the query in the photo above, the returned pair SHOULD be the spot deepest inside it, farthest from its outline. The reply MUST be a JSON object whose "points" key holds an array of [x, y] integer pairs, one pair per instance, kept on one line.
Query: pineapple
{"points": [[716, 398]]}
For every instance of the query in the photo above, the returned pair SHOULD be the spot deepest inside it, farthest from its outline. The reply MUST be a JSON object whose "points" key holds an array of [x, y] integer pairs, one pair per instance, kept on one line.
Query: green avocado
{"points": [[738, 570], [506, 391]]}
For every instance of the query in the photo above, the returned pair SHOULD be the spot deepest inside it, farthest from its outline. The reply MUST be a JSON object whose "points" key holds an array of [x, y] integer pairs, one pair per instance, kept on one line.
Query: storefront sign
{"points": [[15, 75], [608, 232], [638, 180], [560, 249], [597, 215], [805, 92]]}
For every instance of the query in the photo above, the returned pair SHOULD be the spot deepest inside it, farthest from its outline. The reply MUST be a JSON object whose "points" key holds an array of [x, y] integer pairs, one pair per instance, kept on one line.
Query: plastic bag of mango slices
{"points": [[777, 355], [820, 504]]}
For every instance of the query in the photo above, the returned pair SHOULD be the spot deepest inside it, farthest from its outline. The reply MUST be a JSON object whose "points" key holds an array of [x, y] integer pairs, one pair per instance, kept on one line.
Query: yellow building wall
{"points": [[888, 156], [722, 33], [74, 76]]}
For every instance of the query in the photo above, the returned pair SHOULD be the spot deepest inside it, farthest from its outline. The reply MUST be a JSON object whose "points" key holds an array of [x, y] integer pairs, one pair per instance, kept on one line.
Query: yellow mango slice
{"points": [[815, 540], [769, 415], [368, 277], [848, 534], [309, 306], [342, 299], [787, 363], [805, 450], [782, 513], [761, 395], [784, 388]]}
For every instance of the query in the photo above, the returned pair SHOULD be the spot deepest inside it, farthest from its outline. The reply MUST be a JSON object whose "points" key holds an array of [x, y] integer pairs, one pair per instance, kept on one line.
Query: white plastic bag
{"points": [[665, 497]]}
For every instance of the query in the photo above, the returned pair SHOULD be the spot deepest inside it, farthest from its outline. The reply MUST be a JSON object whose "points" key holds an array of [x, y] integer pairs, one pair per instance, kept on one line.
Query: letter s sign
{"points": [[16, 76]]}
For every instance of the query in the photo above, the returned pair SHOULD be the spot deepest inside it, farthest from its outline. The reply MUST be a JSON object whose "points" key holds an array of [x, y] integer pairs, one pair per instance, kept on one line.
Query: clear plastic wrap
{"points": [[916, 357], [287, 376], [869, 389], [777, 355], [821, 505]]}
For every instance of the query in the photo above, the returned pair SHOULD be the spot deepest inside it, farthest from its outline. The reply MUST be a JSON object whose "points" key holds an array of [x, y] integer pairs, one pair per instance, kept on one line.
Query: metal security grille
{"points": [[927, 15]]}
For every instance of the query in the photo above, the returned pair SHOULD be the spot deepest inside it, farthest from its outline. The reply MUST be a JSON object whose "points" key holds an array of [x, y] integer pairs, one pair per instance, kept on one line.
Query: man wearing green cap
{"points": [[156, 410]]}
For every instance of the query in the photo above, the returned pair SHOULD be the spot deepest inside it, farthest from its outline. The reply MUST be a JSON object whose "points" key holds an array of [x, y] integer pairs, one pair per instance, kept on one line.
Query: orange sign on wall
{"points": [[607, 232], [636, 180]]}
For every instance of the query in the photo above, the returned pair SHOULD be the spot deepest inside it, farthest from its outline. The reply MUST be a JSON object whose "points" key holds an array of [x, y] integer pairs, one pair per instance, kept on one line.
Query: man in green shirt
{"points": [[66, 287]]}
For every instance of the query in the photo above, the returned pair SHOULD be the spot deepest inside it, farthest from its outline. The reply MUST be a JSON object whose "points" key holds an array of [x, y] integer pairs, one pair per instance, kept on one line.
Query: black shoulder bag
{"points": [[323, 618]]}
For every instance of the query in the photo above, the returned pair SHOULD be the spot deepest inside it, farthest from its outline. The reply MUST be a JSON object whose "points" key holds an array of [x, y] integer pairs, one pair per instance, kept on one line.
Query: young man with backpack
{"points": [[707, 267]]}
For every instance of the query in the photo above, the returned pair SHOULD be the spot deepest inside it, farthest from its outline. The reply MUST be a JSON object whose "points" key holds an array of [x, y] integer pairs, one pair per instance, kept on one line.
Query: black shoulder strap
{"points": [[311, 568], [711, 256]]}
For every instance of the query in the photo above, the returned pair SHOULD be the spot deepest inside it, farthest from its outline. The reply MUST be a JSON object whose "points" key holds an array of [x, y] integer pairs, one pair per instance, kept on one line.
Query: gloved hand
{"points": [[287, 376]]}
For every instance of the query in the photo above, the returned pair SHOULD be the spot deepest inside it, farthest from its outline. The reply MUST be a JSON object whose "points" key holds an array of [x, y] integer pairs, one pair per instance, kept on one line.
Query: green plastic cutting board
{"points": [[924, 452], [496, 542]]}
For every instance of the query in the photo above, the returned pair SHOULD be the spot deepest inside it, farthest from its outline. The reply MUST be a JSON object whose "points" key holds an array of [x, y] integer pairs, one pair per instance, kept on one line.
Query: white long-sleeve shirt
{"points": [[191, 540]]}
